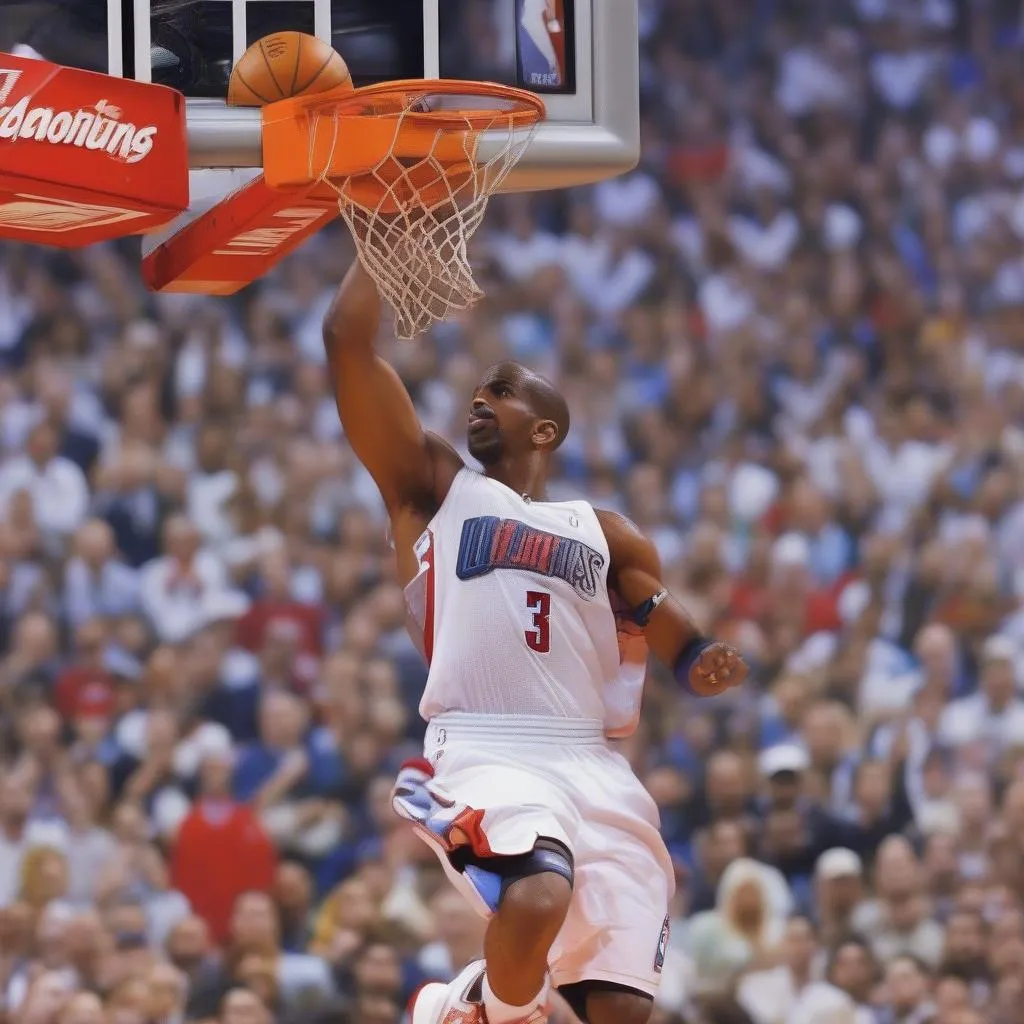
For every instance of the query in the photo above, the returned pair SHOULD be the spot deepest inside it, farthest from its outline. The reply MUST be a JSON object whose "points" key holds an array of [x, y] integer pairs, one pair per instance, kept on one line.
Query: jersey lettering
{"points": [[489, 544]]}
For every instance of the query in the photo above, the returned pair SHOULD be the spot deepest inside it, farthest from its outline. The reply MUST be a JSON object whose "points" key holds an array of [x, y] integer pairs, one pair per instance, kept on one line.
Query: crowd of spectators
{"points": [[793, 346]]}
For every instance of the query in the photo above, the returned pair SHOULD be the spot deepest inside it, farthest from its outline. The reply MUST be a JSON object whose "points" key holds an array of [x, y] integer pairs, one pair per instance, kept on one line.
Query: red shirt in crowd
{"points": [[79, 686], [758, 603], [221, 852], [304, 620]]}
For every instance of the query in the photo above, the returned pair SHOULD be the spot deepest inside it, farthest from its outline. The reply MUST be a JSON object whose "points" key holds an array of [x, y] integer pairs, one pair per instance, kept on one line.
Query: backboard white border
{"points": [[586, 138]]}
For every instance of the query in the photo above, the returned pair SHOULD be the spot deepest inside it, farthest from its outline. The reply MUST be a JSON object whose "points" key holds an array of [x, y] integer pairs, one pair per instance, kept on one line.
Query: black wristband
{"points": [[687, 659]]}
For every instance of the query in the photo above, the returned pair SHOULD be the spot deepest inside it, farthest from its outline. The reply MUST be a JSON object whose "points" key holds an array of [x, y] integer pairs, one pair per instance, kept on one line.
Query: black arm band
{"points": [[641, 615]]}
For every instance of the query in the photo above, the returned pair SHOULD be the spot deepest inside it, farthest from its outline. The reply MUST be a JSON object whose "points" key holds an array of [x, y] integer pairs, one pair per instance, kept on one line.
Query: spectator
{"points": [[723, 842], [221, 850], [96, 583], [853, 969], [838, 877], [240, 1006], [190, 950], [909, 987], [897, 922], [56, 487], [290, 779], [787, 991], [18, 835], [744, 929], [174, 586], [459, 937], [253, 931], [294, 894], [994, 715]]}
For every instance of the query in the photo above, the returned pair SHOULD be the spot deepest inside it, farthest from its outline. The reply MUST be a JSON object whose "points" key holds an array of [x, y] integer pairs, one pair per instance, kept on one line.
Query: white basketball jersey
{"points": [[510, 607]]}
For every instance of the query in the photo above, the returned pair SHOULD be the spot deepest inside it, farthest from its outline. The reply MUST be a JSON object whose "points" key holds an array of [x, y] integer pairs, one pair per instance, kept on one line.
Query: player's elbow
{"points": [[346, 348], [339, 337]]}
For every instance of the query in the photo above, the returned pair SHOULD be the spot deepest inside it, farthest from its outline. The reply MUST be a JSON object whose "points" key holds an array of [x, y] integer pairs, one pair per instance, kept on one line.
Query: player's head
{"points": [[515, 412]]}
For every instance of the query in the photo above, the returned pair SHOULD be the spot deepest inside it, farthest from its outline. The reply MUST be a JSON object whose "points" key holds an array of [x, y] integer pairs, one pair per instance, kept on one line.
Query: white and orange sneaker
{"points": [[459, 1002]]}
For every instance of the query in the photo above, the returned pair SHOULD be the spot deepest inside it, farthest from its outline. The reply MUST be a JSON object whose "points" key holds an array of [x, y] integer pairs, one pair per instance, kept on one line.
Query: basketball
{"points": [[285, 64]]}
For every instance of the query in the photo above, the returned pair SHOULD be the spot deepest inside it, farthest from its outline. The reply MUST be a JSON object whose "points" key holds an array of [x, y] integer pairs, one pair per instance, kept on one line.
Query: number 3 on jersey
{"points": [[538, 638]]}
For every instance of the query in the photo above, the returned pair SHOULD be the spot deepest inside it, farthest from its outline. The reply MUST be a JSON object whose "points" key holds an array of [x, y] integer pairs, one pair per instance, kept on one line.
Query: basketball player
{"points": [[535, 818]]}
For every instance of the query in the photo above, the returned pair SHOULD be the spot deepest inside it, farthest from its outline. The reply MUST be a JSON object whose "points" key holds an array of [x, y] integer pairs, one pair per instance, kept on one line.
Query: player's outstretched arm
{"points": [[701, 665], [378, 415]]}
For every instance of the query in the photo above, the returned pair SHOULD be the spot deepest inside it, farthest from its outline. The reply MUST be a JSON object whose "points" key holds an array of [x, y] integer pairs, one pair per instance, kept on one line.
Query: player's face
{"points": [[501, 421]]}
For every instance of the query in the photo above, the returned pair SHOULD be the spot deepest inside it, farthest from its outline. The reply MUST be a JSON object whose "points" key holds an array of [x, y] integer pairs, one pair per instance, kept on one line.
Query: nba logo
{"points": [[659, 957], [541, 30]]}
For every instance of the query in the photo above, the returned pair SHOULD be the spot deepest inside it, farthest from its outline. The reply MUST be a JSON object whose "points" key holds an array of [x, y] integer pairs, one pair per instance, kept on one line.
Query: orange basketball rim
{"points": [[407, 165], [399, 145]]}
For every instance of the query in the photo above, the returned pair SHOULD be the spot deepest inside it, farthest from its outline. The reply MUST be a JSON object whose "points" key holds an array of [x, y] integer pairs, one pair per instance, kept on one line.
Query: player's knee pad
{"points": [[491, 877]]}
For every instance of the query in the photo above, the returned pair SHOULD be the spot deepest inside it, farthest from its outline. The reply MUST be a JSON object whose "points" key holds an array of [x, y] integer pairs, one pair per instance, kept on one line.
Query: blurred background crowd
{"points": [[793, 345]]}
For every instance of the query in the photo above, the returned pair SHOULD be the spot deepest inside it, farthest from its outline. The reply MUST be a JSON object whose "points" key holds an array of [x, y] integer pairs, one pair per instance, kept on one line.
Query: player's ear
{"points": [[545, 434]]}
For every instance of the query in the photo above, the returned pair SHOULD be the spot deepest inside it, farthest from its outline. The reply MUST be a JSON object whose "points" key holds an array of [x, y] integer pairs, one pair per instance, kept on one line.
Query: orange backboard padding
{"points": [[239, 239], [85, 157]]}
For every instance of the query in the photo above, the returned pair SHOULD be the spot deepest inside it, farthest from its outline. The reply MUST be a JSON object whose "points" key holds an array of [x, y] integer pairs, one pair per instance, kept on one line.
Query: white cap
{"points": [[938, 817], [52, 834], [210, 742], [839, 862], [791, 550], [842, 228], [854, 599], [999, 648], [785, 757], [752, 489], [981, 140]]}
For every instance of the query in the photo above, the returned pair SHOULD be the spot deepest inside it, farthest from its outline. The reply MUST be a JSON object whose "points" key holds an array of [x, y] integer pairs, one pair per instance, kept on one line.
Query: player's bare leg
{"points": [[528, 897], [518, 939], [510, 986], [618, 1008]]}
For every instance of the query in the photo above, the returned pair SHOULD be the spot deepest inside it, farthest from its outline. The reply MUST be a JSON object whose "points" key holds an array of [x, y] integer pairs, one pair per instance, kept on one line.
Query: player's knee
{"points": [[537, 904], [619, 1008]]}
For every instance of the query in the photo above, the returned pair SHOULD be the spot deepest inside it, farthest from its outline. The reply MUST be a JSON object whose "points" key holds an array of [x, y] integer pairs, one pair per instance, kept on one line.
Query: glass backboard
{"points": [[586, 70]]}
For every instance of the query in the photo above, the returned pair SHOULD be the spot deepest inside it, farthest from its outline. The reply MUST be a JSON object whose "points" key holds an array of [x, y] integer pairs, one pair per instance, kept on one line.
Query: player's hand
{"points": [[719, 668]]}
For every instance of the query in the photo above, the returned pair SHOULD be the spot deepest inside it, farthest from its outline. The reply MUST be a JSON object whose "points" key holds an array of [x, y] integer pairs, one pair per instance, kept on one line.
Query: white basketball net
{"points": [[413, 239]]}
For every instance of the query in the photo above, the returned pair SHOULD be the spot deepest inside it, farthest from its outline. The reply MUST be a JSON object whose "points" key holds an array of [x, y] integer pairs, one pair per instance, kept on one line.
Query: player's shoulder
{"points": [[616, 523], [626, 541]]}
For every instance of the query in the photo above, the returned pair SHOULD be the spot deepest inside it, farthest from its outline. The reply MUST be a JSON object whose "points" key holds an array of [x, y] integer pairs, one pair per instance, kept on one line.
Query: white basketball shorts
{"points": [[522, 778]]}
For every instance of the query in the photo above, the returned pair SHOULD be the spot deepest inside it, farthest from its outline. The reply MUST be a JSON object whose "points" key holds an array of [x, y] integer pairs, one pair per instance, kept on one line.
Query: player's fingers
{"points": [[717, 659]]}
